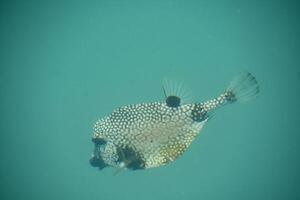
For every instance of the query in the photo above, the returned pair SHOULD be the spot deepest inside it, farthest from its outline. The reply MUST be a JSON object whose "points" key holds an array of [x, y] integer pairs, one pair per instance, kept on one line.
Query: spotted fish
{"points": [[148, 135]]}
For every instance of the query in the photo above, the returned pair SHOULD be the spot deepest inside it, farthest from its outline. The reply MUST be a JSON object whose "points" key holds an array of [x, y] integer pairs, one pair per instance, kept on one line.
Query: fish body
{"points": [[148, 135]]}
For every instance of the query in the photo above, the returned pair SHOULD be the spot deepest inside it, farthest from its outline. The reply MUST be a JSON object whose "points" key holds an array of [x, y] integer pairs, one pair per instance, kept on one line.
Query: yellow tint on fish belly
{"points": [[173, 142]]}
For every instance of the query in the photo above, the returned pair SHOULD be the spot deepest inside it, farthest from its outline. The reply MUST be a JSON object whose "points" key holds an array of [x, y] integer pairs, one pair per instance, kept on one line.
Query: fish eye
{"points": [[98, 141]]}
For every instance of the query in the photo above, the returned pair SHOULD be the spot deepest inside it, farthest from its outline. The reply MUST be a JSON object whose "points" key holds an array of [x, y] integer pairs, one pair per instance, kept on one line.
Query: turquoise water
{"points": [[64, 65]]}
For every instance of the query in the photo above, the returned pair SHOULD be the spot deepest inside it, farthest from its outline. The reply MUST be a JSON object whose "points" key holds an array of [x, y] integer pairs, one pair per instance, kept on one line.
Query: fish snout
{"points": [[96, 159], [97, 162]]}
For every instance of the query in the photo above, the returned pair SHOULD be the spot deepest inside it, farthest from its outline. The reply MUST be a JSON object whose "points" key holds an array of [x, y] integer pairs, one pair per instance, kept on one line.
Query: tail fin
{"points": [[243, 87]]}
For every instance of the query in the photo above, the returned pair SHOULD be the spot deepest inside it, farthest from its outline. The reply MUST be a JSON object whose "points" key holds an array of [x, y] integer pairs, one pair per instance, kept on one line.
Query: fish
{"points": [[147, 135]]}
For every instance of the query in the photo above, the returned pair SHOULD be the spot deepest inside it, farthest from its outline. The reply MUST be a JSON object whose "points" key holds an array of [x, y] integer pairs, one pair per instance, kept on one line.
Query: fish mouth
{"points": [[96, 159]]}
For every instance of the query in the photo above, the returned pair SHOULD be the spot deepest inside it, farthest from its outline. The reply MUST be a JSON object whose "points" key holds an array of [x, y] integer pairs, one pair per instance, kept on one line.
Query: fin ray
{"points": [[177, 89], [243, 87]]}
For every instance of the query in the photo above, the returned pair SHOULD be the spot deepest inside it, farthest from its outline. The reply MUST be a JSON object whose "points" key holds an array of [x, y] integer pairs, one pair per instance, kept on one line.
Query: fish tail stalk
{"points": [[243, 87], [212, 104]]}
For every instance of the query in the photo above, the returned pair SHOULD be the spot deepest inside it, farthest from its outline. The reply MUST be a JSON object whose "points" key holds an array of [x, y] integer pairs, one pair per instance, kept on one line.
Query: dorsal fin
{"points": [[173, 101], [176, 93]]}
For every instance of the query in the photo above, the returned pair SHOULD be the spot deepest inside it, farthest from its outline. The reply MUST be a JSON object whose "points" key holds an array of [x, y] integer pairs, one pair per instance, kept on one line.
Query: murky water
{"points": [[65, 65]]}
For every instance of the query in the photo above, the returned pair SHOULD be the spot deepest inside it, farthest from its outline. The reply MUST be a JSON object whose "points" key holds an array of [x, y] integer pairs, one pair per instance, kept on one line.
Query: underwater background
{"points": [[65, 64]]}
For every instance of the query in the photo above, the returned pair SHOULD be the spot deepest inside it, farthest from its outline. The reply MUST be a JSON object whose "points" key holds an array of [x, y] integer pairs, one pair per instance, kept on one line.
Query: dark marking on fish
{"points": [[198, 113], [131, 158]]}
